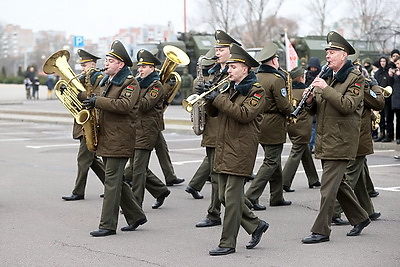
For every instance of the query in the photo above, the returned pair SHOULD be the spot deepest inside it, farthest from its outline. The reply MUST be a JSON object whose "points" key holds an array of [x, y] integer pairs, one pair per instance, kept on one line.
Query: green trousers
{"points": [[199, 179], [201, 175], [355, 177], [142, 177], [334, 186], [214, 209], [117, 193], [231, 195], [299, 152], [86, 160], [270, 171], [368, 180], [164, 159]]}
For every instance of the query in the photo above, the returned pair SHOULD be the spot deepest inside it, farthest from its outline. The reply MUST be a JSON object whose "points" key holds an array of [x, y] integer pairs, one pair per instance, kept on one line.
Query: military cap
{"points": [[336, 41], [85, 56], [208, 62], [145, 57], [222, 39], [367, 61], [268, 52], [118, 51], [296, 72], [238, 54], [354, 57]]}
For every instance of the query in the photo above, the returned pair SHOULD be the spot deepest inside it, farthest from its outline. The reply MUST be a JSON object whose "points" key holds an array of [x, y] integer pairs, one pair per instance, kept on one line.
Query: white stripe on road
{"points": [[49, 146], [15, 139], [186, 162], [187, 149], [393, 189], [383, 165]]}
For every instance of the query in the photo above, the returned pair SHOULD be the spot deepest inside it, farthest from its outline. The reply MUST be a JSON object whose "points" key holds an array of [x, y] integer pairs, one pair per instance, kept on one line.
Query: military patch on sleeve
{"points": [[356, 90], [372, 93], [129, 90], [254, 100], [283, 92], [154, 92]]}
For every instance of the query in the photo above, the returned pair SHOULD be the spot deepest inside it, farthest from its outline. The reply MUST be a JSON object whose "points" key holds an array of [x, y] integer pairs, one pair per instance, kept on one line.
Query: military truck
{"points": [[194, 44], [314, 46]]}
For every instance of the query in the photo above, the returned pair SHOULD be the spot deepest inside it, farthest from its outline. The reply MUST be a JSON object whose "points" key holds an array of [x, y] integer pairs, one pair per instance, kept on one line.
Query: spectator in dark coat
{"points": [[396, 98], [384, 76]]}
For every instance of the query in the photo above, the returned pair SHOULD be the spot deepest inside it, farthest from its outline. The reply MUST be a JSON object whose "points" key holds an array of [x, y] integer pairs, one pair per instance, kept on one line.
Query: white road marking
{"points": [[49, 146], [15, 139], [393, 189], [186, 162]]}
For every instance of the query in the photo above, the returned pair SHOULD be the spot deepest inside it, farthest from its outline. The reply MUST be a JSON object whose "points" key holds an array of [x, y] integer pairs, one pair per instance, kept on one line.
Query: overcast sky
{"points": [[98, 18]]}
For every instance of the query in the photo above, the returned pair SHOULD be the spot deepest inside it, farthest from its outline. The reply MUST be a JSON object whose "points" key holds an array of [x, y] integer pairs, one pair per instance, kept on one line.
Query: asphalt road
{"points": [[38, 166]]}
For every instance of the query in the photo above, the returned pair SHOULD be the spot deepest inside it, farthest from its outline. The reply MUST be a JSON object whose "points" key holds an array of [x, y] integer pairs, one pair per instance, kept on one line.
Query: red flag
{"points": [[292, 58]]}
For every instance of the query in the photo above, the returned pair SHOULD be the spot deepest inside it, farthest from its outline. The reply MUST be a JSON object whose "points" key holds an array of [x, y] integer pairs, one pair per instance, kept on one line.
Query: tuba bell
{"points": [[175, 57], [67, 90], [69, 86]]}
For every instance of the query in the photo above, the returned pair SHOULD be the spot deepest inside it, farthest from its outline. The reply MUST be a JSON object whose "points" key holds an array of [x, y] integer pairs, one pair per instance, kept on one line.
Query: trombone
{"points": [[188, 103]]}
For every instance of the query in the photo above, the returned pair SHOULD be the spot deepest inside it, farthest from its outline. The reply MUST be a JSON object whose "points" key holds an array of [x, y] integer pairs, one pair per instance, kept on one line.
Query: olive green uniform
{"points": [[338, 108], [355, 173], [299, 134], [239, 118], [151, 122], [164, 159], [118, 107], [272, 137], [87, 159], [209, 138]]}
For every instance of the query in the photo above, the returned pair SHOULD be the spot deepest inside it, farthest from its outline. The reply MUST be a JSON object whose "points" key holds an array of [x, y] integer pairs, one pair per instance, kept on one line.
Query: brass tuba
{"points": [[67, 90], [175, 57]]}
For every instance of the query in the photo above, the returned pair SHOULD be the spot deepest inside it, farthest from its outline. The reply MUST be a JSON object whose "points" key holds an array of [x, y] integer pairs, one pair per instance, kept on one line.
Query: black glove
{"points": [[373, 82], [90, 102], [201, 88], [211, 96]]}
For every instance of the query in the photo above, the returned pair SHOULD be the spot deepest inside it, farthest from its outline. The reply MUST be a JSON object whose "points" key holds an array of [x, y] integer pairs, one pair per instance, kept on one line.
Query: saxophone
{"points": [[197, 115], [89, 119], [293, 101]]}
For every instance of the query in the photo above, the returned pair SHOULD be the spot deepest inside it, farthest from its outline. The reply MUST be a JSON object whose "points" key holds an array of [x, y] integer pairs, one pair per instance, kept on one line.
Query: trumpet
{"points": [[387, 91], [302, 102], [188, 103]]}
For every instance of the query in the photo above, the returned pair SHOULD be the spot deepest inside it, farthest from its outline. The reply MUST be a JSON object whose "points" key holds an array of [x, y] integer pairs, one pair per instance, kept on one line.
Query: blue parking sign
{"points": [[79, 41]]}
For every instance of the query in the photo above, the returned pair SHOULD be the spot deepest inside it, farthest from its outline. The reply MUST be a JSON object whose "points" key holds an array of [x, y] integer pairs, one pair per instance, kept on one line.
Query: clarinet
{"points": [[302, 102]]}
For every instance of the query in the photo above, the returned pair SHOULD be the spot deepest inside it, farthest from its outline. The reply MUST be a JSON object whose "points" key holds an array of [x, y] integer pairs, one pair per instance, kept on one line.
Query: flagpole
{"points": [[287, 56]]}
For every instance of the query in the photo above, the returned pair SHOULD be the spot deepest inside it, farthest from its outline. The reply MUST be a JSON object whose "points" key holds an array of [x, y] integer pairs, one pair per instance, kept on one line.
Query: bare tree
{"points": [[371, 14], [273, 30], [319, 14], [222, 14], [377, 22], [256, 23]]}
